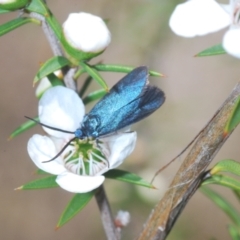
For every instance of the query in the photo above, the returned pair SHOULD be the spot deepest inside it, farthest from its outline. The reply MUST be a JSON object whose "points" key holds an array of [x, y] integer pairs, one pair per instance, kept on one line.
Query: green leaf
{"points": [[94, 96], [95, 75], [121, 68], [214, 50], [85, 86], [78, 202], [237, 194], [234, 232], [50, 66], [4, 11], [223, 180], [223, 204], [234, 118], [24, 127], [15, 23], [54, 80], [78, 73], [41, 183], [38, 6], [155, 74], [125, 176], [227, 165], [41, 172], [55, 26]]}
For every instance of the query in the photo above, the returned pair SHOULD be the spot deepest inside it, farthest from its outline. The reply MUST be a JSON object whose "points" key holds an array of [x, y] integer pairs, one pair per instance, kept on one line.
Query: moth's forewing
{"points": [[123, 92], [151, 99], [129, 101]]}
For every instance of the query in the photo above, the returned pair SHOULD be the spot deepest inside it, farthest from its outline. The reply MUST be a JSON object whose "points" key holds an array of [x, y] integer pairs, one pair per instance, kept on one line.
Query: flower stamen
{"points": [[85, 157]]}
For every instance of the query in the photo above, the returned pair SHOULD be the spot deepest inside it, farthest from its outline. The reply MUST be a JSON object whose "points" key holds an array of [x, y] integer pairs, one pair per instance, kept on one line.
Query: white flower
{"points": [[81, 165], [200, 17], [122, 219], [86, 32], [45, 84]]}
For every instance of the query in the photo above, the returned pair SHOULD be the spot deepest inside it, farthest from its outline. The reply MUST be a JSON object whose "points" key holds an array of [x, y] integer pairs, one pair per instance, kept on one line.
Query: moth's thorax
{"points": [[89, 127]]}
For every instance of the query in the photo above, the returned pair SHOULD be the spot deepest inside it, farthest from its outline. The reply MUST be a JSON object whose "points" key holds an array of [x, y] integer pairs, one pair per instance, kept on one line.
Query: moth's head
{"points": [[79, 133]]}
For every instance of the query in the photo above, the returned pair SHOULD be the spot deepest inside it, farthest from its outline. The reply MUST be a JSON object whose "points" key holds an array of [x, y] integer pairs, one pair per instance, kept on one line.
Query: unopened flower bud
{"points": [[13, 4], [85, 35], [122, 219]]}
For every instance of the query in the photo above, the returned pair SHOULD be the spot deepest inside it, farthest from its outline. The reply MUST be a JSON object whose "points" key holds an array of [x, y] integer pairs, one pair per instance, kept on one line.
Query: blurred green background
{"points": [[195, 88]]}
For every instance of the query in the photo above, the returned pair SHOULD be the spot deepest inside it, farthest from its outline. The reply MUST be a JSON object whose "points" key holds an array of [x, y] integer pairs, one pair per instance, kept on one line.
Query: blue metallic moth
{"points": [[128, 101]]}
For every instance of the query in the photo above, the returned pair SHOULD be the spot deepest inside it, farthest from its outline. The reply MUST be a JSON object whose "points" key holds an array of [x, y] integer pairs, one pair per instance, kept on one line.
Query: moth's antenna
{"points": [[53, 128], [66, 145]]}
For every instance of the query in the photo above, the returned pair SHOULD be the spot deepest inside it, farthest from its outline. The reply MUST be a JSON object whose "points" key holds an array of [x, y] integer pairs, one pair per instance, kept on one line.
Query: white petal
{"points": [[79, 184], [227, 8], [62, 108], [86, 32], [41, 148], [45, 83], [117, 147], [42, 87], [198, 17], [231, 42]]}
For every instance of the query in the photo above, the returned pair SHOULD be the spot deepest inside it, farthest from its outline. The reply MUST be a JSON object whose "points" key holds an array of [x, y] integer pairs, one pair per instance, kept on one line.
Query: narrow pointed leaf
{"points": [[122, 69], [214, 50], [54, 80], [38, 6], [78, 73], [55, 25], [24, 127], [13, 24], [125, 176], [94, 96], [223, 204], [237, 194], [234, 119], [41, 183], [4, 11], [50, 66], [41, 172], [95, 75], [223, 180], [78, 202], [85, 86], [234, 232], [227, 165]]}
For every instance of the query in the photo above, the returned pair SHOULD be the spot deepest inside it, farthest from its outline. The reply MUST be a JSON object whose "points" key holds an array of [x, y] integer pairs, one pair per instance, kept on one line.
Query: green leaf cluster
{"points": [[80, 200], [219, 175]]}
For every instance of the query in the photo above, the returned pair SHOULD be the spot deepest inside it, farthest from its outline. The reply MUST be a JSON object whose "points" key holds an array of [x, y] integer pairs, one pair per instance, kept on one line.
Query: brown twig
{"points": [[57, 50], [188, 177], [106, 215]]}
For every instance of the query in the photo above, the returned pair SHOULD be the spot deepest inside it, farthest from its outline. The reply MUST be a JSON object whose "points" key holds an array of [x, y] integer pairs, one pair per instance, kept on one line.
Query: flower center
{"points": [[85, 157]]}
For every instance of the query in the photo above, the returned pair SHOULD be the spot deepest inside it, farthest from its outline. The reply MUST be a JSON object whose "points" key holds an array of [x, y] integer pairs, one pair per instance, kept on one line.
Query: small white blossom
{"points": [[45, 84], [122, 219], [42, 87], [200, 17], [86, 32], [81, 165], [231, 42]]}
